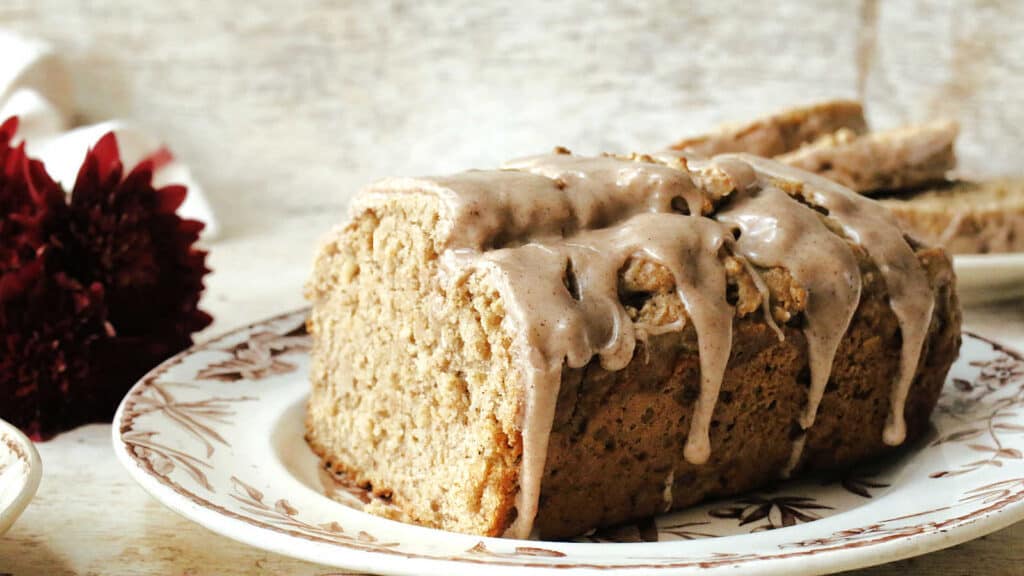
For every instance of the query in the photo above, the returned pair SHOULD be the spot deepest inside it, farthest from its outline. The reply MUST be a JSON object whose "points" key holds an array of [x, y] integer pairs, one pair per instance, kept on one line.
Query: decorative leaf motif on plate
{"points": [[259, 356], [686, 530], [994, 492], [861, 485], [162, 459], [481, 549], [284, 514], [776, 511], [197, 418], [989, 407]]}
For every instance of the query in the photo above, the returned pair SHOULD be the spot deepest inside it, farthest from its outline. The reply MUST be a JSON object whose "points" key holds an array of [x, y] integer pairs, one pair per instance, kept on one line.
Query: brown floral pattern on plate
{"points": [[174, 431], [776, 511], [259, 356]]}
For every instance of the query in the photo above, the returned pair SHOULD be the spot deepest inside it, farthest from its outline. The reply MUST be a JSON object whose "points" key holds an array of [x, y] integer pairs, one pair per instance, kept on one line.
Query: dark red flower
{"points": [[93, 293], [128, 238], [50, 324], [48, 321], [31, 204]]}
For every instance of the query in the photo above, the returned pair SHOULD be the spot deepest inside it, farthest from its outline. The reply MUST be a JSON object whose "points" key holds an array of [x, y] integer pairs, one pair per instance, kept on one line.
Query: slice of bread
{"points": [[781, 132], [966, 217], [908, 157], [907, 167]]}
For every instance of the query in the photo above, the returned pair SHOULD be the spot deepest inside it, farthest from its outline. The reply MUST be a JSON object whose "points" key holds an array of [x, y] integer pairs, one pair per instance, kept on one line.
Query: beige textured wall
{"points": [[299, 102], [285, 108]]}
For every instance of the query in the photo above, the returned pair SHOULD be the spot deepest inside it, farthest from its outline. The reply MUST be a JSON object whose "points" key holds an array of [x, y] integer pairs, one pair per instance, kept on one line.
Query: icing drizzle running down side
{"points": [[871, 226], [554, 233], [777, 233], [570, 326]]}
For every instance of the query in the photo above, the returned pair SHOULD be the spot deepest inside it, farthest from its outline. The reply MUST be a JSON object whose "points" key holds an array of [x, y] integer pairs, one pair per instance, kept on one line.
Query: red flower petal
{"points": [[8, 129], [108, 158], [169, 198], [162, 157], [130, 240]]}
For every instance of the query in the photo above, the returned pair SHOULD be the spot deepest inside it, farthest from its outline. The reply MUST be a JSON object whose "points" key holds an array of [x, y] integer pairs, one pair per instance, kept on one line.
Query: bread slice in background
{"points": [[832, 139], [781, 132], [907, 157], [908, 168], [965, 217]]}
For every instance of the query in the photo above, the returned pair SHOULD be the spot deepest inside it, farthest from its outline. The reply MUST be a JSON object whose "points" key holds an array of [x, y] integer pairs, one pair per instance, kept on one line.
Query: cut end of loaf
{"points": [[411, 379]]}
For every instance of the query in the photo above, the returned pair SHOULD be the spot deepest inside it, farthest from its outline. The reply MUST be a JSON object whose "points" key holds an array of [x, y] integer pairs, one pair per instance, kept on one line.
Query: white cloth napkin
{"points": [[35, 85]]}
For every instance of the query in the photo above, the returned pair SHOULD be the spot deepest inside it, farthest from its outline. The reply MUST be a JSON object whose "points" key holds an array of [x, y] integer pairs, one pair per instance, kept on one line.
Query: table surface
{"points": [[283, 109]]}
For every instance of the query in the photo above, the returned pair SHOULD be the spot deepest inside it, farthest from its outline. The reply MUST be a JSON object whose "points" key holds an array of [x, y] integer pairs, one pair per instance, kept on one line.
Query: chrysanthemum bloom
{"points": [[48, 320], [127, 237], [93, 292], [32, 205]]}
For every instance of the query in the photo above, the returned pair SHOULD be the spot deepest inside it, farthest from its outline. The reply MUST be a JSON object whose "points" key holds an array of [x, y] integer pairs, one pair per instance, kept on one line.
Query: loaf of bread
{"points": [[570, 342], [965, 217]]}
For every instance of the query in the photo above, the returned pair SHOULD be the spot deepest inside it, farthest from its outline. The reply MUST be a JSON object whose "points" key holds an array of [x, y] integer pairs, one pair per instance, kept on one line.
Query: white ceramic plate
{"points": [[20, 471], [989, 277], [216, 434]]}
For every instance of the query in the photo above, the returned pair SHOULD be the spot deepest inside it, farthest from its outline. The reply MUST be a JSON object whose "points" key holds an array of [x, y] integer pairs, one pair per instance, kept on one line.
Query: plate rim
{"points": [[31, 479], [983, 260], [844, 556], [989, 278]]}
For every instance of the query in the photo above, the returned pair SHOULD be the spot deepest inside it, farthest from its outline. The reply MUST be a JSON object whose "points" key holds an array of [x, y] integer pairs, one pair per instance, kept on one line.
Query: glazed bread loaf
{"points": [[570, 342]]}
